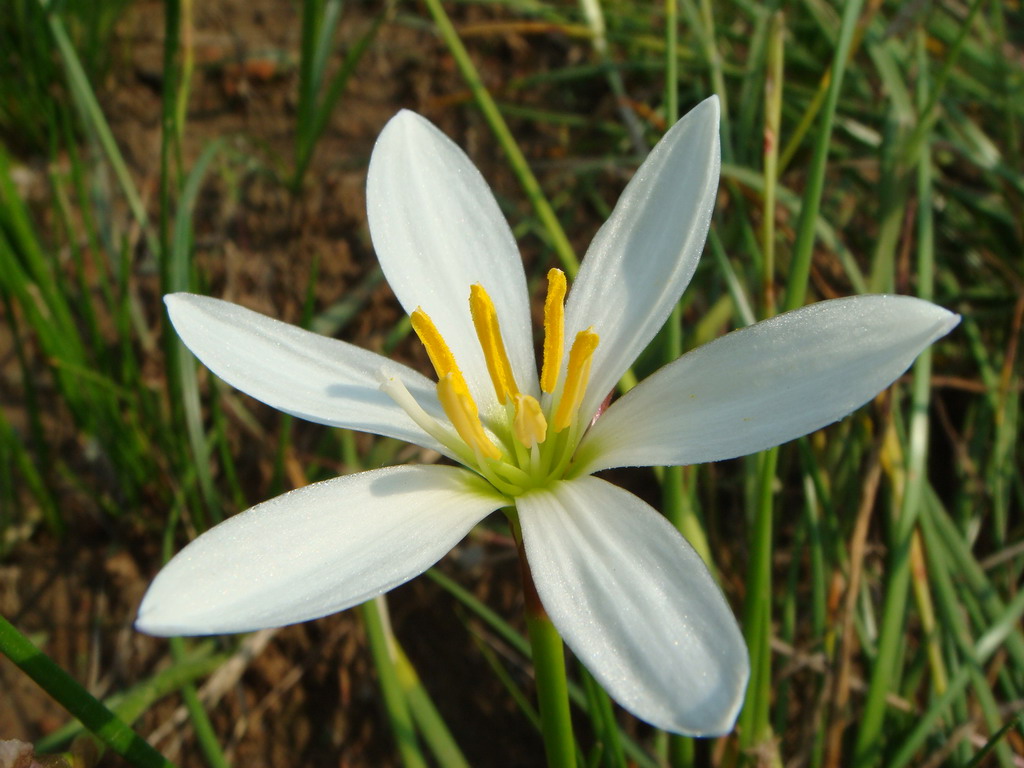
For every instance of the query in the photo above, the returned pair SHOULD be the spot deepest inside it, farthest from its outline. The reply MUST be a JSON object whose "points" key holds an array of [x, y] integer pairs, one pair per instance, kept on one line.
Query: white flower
{"points": [[626, 591]]}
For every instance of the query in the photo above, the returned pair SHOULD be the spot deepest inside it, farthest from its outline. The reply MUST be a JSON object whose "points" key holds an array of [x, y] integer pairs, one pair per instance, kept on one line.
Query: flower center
{"points": [[534, 443]]}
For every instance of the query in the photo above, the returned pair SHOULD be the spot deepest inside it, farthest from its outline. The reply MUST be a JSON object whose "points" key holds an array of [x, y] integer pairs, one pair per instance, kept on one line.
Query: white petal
{"points": [[438, 230], [636, 604], [315, 551], [766, 384], [645, 254], [298, 372]]}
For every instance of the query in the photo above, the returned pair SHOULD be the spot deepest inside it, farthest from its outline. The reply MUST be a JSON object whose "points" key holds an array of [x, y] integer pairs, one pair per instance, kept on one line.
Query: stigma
{"points": [[518, 451]]}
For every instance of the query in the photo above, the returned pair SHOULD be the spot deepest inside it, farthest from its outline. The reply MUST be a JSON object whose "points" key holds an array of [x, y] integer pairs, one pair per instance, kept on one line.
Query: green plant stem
{"points": [[868, 747], [94, 119], [374, 616], [131, 704], [429, 721], [177, 266], [675, 505], [671, 62], [313, 114], [549, 666], [185, 73], [672, 480], [541, 205], [757, 608], [205, 734], [66, 691], [552, 693], [637, 754], [594, 15], [927, 112], [602, 716], [803, 247], [772, 123]]}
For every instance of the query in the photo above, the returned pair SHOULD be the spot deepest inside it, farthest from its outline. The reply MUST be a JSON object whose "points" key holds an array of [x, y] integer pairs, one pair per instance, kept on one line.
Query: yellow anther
{"points": [[529, 423], [554, 330], [578, 374], [463, 414], [439, 353], [485, 319]]}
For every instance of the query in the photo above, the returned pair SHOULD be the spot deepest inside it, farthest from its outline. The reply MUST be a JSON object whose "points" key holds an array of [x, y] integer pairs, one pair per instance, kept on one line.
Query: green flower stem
{"points": [[205, 734], [757, 611], [927, 112], [671, 62], [314, 113], [633, 750], [429, 721], [926, 280], [754, 720], [675, 500], [374, 616], [803, 248], [75, 699], [548, 665], [552, 692], [797, 136], [757, 608], [773, 82], [885, 672], [607, 738], [520, 167], [93, 118]]}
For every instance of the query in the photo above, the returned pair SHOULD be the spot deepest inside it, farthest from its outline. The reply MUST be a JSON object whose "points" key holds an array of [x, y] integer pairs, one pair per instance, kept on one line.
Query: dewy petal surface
{"points": [[315, 550], [765, 384], [636, 604], [437, 230], [307, 375], [645, 254]]}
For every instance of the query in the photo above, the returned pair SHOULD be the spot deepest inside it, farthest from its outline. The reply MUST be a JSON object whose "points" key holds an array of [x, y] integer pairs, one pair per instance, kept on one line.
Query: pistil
{"points": [[529, 424]]}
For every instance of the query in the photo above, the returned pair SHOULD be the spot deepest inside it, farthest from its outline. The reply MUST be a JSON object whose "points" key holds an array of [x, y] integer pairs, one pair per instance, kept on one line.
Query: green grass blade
{"points": [[374, 616], [869, 744], [94, 119], [428, 720], [75, 699], [556, 234], [803, 247]]}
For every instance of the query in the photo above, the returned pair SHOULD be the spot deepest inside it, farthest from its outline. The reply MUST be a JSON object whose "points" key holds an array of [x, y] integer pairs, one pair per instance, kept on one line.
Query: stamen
{"points": [[529, 423], [554, 330], [485, 319], [397, 391], [578, 374], [439, 353], [463, 414]]}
